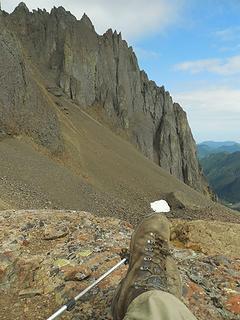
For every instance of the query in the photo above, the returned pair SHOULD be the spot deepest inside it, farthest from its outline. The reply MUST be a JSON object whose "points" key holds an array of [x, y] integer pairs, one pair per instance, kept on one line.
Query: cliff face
{"points": [[102, 72], [23, 107]]}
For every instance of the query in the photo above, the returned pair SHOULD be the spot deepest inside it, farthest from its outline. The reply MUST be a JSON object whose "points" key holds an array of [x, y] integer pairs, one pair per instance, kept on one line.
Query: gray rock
{"points": [[23, 106], [29, 293], [55, 232], [103, 72]]}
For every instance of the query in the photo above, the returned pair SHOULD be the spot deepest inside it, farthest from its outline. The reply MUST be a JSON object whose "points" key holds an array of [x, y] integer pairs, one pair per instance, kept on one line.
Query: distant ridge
{"points": [[216, 144], [210, 147]]}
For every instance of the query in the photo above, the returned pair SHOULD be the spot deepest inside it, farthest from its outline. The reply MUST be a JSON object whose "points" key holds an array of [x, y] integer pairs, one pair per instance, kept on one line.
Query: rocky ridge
{"points": [[50, 256], [99, 73], [24, 108]]}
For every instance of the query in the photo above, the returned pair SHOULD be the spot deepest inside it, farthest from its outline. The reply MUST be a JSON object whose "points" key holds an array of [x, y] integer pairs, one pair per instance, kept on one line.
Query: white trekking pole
{"points": [[70, 305]]}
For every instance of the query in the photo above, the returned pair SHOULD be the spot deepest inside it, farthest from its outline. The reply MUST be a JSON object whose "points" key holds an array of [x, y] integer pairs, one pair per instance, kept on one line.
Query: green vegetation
{"points": [[223, 173]]}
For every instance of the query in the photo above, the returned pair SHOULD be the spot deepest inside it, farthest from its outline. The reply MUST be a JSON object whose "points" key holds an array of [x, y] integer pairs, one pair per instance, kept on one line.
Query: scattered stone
{"points": [[55, 232], [29, 293], [75, 273], [27, 226], [178, 200], [60, 269]]}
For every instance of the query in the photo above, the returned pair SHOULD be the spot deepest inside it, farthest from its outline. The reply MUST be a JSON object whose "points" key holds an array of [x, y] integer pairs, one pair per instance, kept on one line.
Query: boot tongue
{"points": [[156, 224]]}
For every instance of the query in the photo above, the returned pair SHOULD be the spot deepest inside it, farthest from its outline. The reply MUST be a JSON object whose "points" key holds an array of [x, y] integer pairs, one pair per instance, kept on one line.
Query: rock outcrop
{"points": [[23, 105], [102, 72], [48, 257]]}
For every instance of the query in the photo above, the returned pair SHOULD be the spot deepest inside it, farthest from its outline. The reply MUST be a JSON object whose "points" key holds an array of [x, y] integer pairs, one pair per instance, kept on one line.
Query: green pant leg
{"points": [[158, 305]]}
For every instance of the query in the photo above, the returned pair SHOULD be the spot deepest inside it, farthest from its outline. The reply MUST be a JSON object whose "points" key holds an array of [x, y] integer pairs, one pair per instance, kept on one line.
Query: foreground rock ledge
{"points": [[47, 257]]}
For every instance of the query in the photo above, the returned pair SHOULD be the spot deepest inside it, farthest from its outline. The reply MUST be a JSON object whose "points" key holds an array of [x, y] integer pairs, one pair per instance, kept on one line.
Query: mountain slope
{"points": [[99, 171], [101, 74], [223, 173], [203, 150], [54, 154]]}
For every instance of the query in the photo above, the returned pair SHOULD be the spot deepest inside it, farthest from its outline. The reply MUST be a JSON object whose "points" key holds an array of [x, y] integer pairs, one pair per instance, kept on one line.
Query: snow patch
{"points": [[160, 206]]}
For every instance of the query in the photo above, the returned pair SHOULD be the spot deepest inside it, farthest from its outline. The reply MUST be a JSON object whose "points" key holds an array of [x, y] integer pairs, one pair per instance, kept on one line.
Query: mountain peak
{"points": [[62, 13], [59, 9], [21, 7], [86, 20]]}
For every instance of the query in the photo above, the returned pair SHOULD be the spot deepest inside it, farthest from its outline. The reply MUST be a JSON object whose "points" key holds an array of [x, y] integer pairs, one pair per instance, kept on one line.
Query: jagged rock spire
{"points": [[85, 19], [21, 7]]}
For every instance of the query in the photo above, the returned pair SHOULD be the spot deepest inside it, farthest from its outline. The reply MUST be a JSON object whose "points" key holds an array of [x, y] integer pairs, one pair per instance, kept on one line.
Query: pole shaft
{"points": [[57, 313], [100, 279], [64, 308]]}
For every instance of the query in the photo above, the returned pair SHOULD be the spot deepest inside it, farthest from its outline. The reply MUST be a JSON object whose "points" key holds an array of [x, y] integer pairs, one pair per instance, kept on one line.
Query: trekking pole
{"points": [[70, 305]]}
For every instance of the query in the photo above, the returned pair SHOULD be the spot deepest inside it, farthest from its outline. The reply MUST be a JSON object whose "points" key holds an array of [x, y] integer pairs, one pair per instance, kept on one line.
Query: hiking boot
{"points": [[151, 266]]}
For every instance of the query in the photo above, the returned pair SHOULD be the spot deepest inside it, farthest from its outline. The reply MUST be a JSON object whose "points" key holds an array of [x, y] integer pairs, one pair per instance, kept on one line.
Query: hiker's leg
{"points": [[157, 305], [152, 286]]}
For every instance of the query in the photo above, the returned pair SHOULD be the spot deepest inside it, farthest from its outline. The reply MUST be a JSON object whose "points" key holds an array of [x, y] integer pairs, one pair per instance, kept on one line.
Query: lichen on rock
{"points": [[38, 276]]}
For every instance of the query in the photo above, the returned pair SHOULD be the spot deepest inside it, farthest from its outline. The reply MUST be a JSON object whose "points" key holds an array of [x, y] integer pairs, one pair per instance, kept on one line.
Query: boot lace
{"points": [[152, 274]]}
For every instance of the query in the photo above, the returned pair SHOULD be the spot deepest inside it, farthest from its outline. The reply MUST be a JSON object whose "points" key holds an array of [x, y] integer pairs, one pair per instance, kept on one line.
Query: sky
{"points": [[192, 47]]}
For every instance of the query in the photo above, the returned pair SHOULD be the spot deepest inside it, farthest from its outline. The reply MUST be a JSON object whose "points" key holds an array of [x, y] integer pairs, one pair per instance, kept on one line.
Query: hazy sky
{"points": [[192, 47]]}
